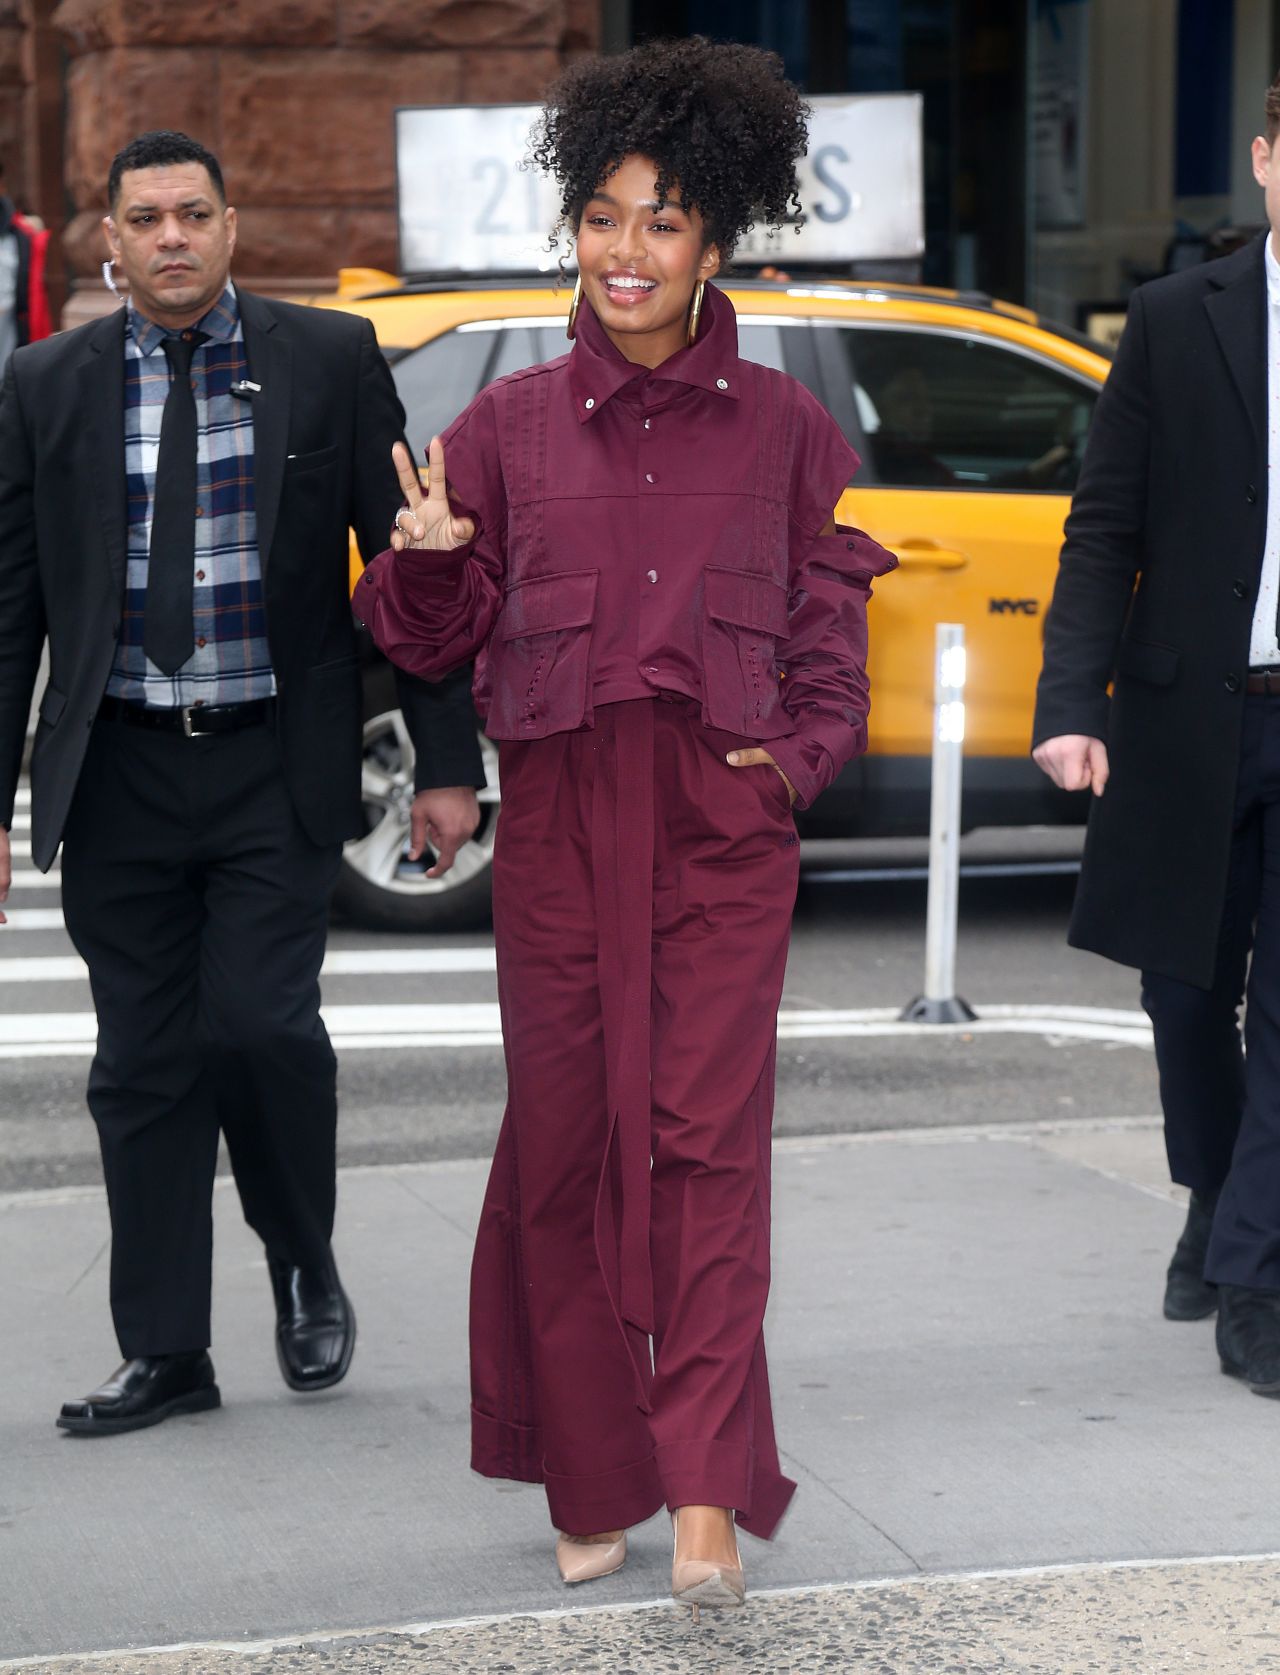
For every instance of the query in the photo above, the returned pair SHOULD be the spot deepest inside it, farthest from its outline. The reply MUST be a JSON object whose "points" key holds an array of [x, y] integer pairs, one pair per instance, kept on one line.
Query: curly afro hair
{"points": [[720, 121]]}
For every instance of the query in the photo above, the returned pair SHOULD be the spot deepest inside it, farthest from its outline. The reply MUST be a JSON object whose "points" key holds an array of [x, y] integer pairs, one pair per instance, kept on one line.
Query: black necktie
{"points": [[168, 636]]}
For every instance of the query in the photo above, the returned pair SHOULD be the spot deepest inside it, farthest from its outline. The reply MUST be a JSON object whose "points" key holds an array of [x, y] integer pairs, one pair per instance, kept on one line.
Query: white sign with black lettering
{"points": [[468, 203]]}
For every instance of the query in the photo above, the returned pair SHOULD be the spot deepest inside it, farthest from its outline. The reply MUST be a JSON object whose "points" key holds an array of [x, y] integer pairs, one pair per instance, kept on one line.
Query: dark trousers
{"points": [[1221, 1093], [200, 908]]}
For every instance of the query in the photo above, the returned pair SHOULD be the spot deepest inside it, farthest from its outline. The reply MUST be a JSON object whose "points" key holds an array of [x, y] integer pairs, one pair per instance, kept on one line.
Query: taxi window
{"points": [[522, 346], [437, 381], [948, 411], [763, 343]]}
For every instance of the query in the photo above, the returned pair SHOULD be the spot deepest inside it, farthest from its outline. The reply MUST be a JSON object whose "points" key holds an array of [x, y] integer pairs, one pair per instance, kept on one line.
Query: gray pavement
{"points": [[970, 1371]]}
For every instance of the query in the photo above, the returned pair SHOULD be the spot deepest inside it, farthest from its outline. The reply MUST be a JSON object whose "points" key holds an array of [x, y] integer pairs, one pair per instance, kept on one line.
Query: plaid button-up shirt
{"points": [[231, 663]]}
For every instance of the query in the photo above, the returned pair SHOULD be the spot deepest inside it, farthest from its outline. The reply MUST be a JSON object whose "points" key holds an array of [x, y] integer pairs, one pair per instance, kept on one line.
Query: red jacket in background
{"points": [[32, 299]]}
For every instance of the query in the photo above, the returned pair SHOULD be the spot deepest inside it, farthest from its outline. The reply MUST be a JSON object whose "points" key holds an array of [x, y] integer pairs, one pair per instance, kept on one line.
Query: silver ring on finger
{"points": [[400, 526]]}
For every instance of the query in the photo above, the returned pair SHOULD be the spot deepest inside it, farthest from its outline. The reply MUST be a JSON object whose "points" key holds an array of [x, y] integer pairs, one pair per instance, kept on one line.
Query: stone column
{"points": [[14, 77], [296, 98]]}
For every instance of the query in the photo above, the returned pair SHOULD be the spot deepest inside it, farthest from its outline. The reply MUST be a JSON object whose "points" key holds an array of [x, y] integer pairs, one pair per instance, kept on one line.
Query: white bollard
{"points": [[940, 1004]]}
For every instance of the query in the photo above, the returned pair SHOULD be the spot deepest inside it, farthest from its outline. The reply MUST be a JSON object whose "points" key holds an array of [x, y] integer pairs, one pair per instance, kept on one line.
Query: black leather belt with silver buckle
{"points": [[193, 720]]}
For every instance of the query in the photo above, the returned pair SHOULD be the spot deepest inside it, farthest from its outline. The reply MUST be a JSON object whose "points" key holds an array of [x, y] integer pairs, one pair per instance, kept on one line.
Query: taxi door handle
{"points": [[926, 555]]}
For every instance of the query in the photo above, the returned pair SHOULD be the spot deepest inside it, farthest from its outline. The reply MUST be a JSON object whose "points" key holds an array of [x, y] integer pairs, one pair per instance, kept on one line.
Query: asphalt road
{"points": [[857, 950]]}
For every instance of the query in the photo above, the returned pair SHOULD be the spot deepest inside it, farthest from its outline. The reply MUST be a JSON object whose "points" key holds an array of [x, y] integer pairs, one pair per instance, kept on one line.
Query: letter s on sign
{"points": [[822, 160]]}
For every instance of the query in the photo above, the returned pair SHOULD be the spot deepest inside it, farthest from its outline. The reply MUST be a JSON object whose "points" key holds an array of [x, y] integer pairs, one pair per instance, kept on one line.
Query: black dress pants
{"points": [[200, 907], [1221, 1092]]}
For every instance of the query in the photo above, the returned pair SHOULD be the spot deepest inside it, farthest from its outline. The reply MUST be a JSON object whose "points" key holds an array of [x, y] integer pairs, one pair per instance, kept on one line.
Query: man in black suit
{"points": [[1168, 592], [176, 486]]}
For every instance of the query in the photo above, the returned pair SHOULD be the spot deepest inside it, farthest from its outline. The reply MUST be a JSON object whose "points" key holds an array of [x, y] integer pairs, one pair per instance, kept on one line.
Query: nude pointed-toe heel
{"points": [[698, 1582], [584, 1561]]}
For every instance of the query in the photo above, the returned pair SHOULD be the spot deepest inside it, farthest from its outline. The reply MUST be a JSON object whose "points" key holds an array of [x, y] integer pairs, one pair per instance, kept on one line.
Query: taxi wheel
{"points": [[379, 886]]}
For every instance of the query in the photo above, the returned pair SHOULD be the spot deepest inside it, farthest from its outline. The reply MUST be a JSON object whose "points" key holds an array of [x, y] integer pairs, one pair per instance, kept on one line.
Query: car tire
{"points": [[378, 887]]}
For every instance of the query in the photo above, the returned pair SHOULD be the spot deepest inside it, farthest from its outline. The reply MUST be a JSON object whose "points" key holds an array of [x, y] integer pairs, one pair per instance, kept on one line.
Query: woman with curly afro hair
{"points": [[637, 543]]}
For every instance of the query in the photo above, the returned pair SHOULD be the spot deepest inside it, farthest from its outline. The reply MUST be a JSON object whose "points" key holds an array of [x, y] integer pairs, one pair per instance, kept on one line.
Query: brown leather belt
{"points": [[192, 720]]}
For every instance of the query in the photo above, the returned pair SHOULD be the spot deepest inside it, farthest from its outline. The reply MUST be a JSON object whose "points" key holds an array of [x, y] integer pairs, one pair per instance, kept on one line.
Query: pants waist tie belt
{"points": [[622, 828]]}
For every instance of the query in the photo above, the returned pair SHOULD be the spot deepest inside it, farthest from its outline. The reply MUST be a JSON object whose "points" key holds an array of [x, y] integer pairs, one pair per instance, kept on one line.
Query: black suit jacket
{"points": [[1155, 597], [324, 423]]}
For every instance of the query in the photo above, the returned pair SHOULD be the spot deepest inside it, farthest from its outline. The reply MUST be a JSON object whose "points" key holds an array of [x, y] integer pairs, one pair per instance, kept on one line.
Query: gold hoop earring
{"points": [[695, 314], [571, 327]]}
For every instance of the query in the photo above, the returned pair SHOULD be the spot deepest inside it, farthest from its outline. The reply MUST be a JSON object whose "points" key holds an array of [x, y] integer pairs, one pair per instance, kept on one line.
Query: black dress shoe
{"points": [[143, 1392], [315, 1325], [1187, 1294], [1249, 1337]]}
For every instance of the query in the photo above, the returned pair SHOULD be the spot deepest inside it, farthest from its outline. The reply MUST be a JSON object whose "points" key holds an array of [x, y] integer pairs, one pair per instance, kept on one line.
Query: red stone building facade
{"points": [[295, 96]]}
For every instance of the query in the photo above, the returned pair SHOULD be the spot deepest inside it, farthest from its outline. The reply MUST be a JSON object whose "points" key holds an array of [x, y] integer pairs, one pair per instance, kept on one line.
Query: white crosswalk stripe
{"points": [[476, 1024], [345, 962], [31, 919]]}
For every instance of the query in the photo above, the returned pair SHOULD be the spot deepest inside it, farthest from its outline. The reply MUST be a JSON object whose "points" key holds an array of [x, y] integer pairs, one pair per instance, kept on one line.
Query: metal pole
{"points": [[940, 1003]]}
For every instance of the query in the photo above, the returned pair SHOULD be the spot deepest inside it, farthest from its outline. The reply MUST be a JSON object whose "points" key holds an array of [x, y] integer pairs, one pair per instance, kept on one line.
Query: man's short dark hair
{"points": [[156, 149], [1271, 111]]}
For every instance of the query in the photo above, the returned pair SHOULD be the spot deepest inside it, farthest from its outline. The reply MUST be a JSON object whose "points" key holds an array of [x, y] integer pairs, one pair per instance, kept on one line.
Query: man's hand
{"points": [[754, 757], [1074, 762], [446, 819], [425, 521], [6, 870]]}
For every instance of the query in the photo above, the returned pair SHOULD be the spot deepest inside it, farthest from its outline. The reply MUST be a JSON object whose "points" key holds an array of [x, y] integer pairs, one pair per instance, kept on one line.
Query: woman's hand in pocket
{"points": [[752, 757]]}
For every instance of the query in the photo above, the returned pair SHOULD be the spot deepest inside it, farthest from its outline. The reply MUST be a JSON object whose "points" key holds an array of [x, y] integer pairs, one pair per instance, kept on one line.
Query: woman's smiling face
{"points": [[640, 261]]}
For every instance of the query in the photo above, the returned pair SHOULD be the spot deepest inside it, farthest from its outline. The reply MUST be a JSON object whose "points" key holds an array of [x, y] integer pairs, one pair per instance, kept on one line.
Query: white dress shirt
{"points": [[8, 296], [1264, 650]]}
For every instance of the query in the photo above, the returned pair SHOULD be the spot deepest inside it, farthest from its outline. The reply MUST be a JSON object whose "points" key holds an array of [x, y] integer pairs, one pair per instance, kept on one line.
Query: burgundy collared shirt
{"points": [[641, 531]]}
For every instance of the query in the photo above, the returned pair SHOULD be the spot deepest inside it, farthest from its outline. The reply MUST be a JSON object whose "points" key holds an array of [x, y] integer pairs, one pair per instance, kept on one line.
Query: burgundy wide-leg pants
{"points": [[643, 892]]}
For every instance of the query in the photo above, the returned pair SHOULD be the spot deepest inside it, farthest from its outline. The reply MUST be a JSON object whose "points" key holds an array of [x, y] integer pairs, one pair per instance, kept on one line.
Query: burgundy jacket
{"points": [[643, 531]]}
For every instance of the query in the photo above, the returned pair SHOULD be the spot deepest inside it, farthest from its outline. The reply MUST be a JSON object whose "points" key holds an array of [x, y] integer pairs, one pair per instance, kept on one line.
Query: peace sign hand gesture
{"points": [[425, 522]]}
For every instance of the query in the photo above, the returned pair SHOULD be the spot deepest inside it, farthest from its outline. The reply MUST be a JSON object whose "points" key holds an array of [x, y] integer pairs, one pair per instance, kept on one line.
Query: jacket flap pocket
{"points": [[1141, 660], [748, 600], [310, 462], [52, 705], [548, 603]]}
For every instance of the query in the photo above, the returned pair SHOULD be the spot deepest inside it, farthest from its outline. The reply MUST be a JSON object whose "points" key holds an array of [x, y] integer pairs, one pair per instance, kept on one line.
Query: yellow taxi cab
{"points": [[970, 417]]}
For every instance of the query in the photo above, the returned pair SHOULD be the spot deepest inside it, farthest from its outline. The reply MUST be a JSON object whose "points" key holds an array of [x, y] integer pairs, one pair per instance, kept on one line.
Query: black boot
{"points": [[1249, 1337], [143, 1392], [315, 1324], [1187, 1294]]}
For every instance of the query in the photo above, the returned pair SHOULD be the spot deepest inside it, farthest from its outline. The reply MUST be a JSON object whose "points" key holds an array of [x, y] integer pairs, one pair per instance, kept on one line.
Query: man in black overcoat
{"points": [[177, 480], [1161, 691]]}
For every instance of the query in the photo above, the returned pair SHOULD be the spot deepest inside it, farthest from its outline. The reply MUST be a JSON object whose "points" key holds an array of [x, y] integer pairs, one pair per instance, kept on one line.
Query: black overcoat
{"points": [[1154, 600], [324, 420]]}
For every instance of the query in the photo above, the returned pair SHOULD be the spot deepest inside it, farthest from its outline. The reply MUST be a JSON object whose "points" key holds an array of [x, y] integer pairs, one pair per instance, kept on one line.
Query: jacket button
{"points": [[1239, 589], [1232, 683], [1251, 495]]}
